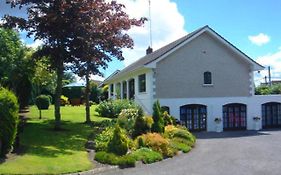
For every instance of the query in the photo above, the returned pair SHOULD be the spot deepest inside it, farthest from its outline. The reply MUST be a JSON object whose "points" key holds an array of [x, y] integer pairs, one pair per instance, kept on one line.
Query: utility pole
{"points": [[269, 77]]}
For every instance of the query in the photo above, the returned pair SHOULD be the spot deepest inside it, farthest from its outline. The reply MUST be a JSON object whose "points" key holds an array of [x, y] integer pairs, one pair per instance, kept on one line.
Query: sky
{"points": [[253, 26]]}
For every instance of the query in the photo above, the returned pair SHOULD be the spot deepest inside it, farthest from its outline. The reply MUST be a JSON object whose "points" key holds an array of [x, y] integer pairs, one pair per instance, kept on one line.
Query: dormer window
{"points": [[207, 78]]}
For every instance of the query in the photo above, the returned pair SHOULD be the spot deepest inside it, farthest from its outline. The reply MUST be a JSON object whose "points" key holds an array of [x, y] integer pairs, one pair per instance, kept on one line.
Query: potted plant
{"points": [[218, 124], [256, 121]]}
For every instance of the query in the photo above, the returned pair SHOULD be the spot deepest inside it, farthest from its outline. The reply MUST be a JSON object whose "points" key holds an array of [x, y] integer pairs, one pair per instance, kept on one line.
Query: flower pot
{"points": [[257, 126], [218, 128]]}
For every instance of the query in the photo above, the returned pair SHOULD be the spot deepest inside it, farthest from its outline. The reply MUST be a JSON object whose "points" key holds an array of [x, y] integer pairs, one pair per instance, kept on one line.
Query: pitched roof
{"points": [[164, 50]]}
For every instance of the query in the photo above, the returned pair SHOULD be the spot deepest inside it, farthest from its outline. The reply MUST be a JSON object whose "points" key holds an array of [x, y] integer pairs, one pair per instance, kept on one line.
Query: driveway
{"points": [[243, 153]]}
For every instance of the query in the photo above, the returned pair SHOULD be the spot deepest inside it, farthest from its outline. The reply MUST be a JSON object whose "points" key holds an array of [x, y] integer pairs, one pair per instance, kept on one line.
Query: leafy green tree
{"points": [[16, 65]]}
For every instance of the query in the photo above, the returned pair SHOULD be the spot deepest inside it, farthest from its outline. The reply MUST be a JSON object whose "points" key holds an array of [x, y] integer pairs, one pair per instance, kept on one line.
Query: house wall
{"points": [[215, 107], [180, 75], [144, 99]]}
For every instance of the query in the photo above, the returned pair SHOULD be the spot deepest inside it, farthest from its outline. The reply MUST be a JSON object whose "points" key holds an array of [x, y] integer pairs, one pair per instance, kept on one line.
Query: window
{"points": [[142, 83], [207, 78]]}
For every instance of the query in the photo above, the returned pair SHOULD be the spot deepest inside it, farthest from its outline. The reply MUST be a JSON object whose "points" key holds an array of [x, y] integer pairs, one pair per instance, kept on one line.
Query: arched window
{"points": [[207, 77], [234, 116], [271, 115]]}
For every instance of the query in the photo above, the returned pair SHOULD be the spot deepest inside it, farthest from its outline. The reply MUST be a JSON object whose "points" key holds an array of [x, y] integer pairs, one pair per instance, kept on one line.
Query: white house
{"points": [[198, 78]]}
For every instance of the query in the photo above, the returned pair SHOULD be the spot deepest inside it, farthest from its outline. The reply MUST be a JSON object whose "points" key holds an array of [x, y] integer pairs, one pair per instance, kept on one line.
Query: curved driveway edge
{"points": [[227, 153]]}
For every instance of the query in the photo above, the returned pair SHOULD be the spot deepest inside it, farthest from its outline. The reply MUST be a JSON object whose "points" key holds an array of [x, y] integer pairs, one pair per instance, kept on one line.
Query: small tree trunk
{"points": [[87, 95], [58, 95]]}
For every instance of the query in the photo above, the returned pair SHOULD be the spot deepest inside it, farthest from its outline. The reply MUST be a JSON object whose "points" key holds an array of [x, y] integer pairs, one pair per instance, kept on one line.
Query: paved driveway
{"points": [[228, 153]]}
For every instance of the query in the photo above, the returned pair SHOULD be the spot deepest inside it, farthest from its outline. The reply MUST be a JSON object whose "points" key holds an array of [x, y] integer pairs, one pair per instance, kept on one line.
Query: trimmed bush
{"points": [[112, 159], [142, 125], [126, 118], [158, 125], [156, 142], [180, 134], [111, 109], [146, 155], [8, 120], [119, 142], [42, 102]]}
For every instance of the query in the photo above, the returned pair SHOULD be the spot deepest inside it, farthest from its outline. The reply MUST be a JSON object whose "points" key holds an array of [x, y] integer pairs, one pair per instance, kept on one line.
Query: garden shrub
{"points": [[119, 142], [126, 118], [142, 125], [8, 120], [179, 144], [63, 100], [106, 158], [111, 109], [42, 102], [168, 120], [51, 99], [158, 125], [113, 159], [146, 155], [156, 142], [102, 140], [179, 133]]}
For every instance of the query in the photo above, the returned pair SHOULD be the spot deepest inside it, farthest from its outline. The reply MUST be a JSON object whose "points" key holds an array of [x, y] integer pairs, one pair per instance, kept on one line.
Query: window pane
{"points": [[207, 78], [142, 83]]}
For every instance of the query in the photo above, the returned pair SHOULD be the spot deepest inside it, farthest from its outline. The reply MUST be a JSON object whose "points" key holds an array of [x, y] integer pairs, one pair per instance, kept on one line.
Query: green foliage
{"points": [[179, 144], [266, 90], [95, 92], [103, 139], [42, 102], [158, 125], [113, 159], [180, 134], [8, 120], [168, 120], [119, 142], [16, 65], [126, 119], [112, 109], [73, 92], [104, 93], [146, 155], [156, 142], [63, 100], [142, 125]]}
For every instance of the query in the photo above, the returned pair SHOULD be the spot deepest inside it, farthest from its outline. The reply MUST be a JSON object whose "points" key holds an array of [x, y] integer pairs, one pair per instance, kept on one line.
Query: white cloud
{"points": [[97, 77], [259, 39], [274, 61], [167, 26], [35, 44]]}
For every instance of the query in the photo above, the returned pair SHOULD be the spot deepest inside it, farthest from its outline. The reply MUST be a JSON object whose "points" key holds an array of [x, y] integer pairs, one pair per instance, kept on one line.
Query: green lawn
{"points": [[49, 152]]}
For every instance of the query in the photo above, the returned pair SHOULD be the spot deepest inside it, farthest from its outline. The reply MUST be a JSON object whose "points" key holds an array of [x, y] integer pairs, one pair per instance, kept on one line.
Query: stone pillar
{"points": [[127, 84], [121, 89], [109, 91]]}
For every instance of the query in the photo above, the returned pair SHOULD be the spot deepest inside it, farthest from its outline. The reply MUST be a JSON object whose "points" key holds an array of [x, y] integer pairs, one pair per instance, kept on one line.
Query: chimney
{"points": [[149, 50]]}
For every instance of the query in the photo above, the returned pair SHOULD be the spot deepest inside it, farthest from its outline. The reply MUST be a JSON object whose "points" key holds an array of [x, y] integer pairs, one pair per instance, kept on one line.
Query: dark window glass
{"points": [[234, 116], [271, 115], [207, 78], [142, 83]]}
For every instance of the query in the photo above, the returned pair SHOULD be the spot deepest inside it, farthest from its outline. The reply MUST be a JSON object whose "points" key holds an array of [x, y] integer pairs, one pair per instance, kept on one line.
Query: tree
{"points": [[16, 65], [88, 33], [99, 38]]}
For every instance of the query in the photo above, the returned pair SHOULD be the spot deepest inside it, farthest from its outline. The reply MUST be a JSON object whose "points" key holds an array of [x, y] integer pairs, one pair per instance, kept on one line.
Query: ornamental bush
{"points": [[119, 144], [112, 108], [142, 125], [156, 142], [42, 102], [8, 120], [158, 125]]}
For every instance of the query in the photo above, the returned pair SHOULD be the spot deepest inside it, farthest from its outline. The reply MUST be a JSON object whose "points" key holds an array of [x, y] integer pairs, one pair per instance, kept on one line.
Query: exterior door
{"points": [[271, 115], [235, 116], [194, 117]]}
